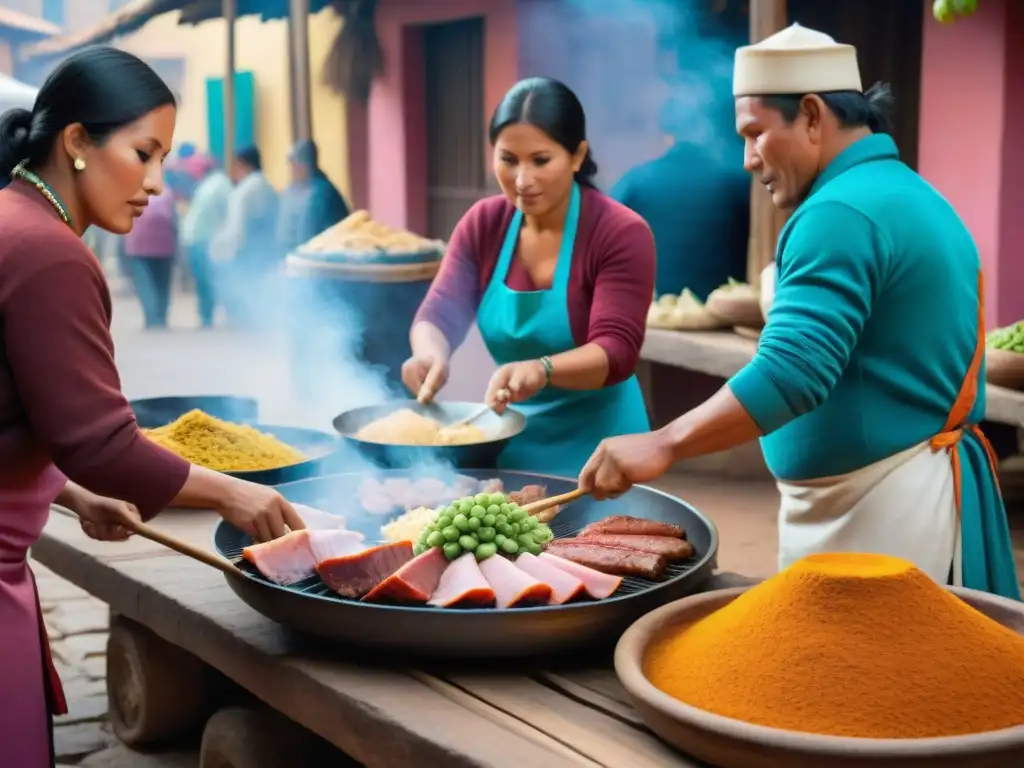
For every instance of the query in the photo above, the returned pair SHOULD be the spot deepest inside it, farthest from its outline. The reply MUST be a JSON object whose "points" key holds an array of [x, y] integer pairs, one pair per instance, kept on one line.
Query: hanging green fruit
{"points": [[947, 11], [942, 10]]}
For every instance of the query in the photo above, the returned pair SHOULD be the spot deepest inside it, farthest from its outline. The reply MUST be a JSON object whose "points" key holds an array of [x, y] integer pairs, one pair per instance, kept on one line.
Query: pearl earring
{"points": [[79, 164]]}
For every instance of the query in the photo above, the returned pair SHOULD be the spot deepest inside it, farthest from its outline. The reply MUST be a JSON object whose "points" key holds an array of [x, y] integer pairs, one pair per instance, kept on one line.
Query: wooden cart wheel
{"points": [[242, 737], [157, 691]]}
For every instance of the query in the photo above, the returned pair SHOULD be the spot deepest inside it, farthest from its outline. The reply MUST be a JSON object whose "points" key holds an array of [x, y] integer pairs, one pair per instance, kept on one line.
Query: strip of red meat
{"points": [[634, 526], [414, 582], [669, 547], [355, 575], [619, 561]]}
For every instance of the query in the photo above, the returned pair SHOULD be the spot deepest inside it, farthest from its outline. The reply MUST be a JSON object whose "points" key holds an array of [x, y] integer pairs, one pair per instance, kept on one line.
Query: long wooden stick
{"points": [[184, 548], [179, 546], [553, 501]]}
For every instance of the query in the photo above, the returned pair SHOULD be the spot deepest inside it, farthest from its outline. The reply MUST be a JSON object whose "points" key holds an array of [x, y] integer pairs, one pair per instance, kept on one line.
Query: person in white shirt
{"points": [[206, 211], [244, 250]]}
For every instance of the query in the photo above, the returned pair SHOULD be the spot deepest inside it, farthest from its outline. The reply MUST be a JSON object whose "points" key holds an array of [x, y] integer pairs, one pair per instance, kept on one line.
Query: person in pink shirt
{"points": [[149, 250]]}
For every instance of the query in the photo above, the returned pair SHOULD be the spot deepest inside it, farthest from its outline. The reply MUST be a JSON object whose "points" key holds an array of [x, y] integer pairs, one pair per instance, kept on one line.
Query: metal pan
{"points": [[312, 608], [475, 455], [320, 447]]}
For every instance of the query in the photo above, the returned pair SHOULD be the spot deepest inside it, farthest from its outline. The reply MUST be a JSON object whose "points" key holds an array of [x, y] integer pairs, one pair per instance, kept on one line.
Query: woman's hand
{"points": [[101, 518], [258, 510], [515, 382], [620, 462], [425, 375]]}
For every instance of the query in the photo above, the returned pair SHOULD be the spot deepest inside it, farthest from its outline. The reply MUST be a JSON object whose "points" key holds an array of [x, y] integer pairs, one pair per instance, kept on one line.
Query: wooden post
{"points": [[766, 18], [229, 9], [298, 29]]}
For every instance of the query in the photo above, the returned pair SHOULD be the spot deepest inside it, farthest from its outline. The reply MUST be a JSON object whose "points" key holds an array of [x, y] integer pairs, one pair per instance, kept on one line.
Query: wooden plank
{"points": [[595, 734], [599, 689], [481, 707], [602, 682], [298, 39], [229, 10], [717, 353], [723, 353], [766, 18], [1004, 405], [378, 716]]}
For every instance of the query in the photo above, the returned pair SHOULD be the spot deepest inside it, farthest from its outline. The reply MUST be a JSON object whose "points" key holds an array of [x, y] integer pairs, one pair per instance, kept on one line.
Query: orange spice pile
{"points": [[848, 645]]}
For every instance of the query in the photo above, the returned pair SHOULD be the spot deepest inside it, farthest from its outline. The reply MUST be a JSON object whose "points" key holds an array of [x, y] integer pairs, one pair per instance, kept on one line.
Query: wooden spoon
{"points": [[552, 501], [179, 546]]}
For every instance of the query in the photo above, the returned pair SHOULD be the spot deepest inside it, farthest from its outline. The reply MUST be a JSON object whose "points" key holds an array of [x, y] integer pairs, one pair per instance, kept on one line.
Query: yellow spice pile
{"points": [[223, 446]]}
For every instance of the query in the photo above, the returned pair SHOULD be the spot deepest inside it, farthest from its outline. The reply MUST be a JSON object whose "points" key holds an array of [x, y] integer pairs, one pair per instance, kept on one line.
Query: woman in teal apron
{"points": [[559, 278]]}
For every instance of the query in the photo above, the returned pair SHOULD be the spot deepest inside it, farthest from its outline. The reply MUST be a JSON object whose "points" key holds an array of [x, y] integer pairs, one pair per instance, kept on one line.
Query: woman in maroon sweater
{"points": [[559, 278], [89, 153]]}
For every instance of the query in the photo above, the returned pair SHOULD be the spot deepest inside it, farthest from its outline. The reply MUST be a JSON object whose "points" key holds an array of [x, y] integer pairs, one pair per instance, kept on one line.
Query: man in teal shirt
{"points": [[868, 383]]}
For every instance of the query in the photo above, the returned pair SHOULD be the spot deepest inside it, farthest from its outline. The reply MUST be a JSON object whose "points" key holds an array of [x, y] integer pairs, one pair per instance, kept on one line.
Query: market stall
{"points": [[691, 348], [390, 712], [722, 353], [363, 276]]}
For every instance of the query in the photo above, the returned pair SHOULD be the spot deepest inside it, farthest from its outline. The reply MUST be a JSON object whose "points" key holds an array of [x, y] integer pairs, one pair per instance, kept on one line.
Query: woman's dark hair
{"points": [[873, 109], [102, 88], [552, 107]]}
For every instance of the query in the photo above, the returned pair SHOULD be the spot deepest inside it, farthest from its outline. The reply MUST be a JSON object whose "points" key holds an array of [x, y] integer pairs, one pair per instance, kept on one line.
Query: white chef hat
{"points": [[795, 60]]}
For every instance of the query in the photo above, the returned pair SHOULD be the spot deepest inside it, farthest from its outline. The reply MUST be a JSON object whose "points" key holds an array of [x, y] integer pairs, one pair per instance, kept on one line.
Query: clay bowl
{"points": [[729, 743], [1004, 368]]}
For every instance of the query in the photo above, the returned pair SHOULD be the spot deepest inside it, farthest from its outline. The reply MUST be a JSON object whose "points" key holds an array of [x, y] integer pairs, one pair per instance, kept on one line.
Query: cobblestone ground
{"points": [[186, 361]]}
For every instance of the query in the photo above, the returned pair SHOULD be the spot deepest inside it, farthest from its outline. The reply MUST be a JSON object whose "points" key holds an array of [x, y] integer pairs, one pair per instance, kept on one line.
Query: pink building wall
{"points": [[971, 78], [396, 170]]}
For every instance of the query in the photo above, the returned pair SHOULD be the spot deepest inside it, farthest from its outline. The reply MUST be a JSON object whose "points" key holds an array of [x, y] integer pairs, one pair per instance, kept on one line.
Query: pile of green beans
{"points": [[485, 525], [1010, 338]]}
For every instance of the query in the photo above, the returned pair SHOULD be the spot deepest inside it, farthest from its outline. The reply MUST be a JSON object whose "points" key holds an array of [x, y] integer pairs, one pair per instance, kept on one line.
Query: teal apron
{"points": [[563, 427]]}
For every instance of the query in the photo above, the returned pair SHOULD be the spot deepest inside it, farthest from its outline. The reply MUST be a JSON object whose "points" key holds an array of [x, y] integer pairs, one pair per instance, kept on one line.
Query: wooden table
{"points": [[379, 715], [723, 353]]}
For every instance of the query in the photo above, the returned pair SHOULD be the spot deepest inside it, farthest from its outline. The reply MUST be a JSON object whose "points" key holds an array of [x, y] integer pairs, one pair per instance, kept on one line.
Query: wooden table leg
{"points": [[157, 692], [251, 737]]}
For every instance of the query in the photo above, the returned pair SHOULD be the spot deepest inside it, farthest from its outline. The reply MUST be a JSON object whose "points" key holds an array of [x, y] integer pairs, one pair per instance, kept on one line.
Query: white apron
{"points": [[903, 506]]}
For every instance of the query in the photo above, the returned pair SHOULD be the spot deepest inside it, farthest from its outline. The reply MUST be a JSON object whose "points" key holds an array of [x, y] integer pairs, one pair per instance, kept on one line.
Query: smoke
{"points": [[637, 64], [312, 325]]}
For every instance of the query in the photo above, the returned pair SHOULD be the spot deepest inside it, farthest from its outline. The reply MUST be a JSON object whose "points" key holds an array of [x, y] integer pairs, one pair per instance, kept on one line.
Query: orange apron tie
{"points": [[956, 422]]}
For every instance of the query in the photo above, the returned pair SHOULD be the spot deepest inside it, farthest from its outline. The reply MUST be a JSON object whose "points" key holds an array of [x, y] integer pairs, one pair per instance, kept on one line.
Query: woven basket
{"points": [[1005, 369], [296, 265]]}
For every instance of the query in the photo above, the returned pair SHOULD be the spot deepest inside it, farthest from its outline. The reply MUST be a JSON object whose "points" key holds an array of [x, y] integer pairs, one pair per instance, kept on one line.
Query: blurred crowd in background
{"points": [[221, 232]]}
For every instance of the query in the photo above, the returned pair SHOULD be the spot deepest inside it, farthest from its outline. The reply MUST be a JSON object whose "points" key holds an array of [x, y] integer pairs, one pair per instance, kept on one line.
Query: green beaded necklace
{"points": [[23, 173]]}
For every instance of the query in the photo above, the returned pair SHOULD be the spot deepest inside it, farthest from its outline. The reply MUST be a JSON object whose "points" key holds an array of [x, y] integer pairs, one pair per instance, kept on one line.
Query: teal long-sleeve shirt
{"points": [[874, 322]]}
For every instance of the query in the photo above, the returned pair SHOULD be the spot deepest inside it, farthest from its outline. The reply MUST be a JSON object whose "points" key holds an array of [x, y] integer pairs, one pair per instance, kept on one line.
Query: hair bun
{"points": [[15, 126], [15, 131]]}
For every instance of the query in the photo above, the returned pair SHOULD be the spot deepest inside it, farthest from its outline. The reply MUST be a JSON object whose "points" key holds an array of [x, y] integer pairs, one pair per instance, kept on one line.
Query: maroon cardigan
{"points": [[611, 283], [60, 393]]}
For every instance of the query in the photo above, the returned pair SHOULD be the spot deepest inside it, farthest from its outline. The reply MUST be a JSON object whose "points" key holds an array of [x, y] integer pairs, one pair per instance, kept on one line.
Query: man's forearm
{"points": [[716, 425]]}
